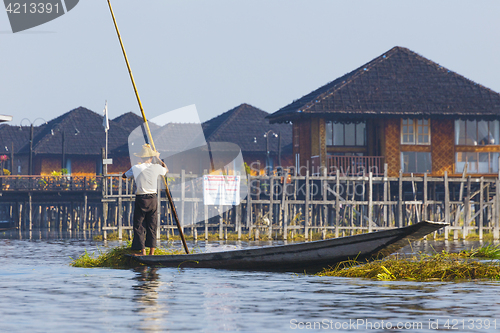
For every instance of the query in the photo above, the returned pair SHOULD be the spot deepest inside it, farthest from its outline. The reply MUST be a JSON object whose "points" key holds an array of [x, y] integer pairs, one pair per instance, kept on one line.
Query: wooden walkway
{"points": [[338, 205]]}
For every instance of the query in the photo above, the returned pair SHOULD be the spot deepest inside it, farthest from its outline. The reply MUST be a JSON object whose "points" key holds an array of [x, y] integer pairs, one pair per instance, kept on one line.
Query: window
{"points": [[476, 162], [416, 162], [415, 132], [477, 132], [338, 134]]}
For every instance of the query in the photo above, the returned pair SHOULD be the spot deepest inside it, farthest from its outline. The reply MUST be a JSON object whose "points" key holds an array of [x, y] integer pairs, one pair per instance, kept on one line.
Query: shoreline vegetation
{"points": [[474, 264]]}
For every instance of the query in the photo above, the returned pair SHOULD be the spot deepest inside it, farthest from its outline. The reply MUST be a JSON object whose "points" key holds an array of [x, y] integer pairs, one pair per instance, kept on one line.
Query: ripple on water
{"points": [[40, 292]]}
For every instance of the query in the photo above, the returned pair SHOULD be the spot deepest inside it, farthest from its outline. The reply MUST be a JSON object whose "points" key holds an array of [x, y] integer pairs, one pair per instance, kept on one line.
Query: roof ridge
{"points": [[229, 114], [230, 118], [398, 80], [357, 73], [58, 121]]}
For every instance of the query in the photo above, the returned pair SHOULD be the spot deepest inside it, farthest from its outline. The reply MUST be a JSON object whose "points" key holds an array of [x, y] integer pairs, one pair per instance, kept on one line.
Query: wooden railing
{"points": [[50, 183], [356, 165]]}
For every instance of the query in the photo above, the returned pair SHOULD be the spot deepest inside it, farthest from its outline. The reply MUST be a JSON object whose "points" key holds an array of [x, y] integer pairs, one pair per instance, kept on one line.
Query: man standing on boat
{"points": [[146, 178]]}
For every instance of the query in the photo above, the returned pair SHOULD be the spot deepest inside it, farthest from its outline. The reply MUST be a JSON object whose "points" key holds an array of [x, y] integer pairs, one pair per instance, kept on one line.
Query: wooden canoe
{"points": [[299, 257]]}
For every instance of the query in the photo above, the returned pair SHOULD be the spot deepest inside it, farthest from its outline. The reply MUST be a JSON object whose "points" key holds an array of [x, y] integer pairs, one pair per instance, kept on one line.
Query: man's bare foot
{"points": [[151, 251], [142, 253]]}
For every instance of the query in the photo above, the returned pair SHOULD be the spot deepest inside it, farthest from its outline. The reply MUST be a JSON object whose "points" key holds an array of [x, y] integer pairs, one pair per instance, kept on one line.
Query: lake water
{"points": [[40, 292]]}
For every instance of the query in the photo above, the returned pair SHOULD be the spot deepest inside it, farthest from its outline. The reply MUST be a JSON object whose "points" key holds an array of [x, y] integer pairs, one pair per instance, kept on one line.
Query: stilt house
{"points": [[401, 109]]}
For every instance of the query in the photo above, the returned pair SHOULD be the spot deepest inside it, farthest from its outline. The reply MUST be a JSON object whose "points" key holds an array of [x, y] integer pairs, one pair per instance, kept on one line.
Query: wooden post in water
{"points": [[385, 197], [400, 201], [120, 209], [284, 207], [205, 210], [221, 221], [104, 220], [497, 208], [238, 220], [85, 211], [306, 208], [30, 212], [324, 220], [370, 202], [465, 229], [249, 206], [337, 203], [446, 205], [183, 197], [481, 208], [271, 207], [424, 202]]}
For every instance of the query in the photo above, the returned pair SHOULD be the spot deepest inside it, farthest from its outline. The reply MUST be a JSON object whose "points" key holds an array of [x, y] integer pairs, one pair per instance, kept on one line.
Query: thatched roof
{"points": [[398, 83]]}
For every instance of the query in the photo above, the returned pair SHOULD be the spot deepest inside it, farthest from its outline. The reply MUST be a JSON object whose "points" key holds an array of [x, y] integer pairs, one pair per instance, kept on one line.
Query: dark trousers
{"points": [[145, 221]]}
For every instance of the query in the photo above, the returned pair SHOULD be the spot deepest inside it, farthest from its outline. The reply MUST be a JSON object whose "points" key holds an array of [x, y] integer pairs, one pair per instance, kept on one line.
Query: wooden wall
{"points": [[49, 164], [392, 146], [309, 141], [442, 147], [302, 141]]}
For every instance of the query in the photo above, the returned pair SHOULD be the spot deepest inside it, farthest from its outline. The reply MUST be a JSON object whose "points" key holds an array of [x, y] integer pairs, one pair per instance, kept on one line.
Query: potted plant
{"points": [[42, 183], [93, 183], [56, 175], [3, 158]]}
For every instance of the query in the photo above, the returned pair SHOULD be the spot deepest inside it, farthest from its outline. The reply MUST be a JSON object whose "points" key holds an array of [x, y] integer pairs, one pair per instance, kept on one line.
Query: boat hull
{"points": [[309, 257]]}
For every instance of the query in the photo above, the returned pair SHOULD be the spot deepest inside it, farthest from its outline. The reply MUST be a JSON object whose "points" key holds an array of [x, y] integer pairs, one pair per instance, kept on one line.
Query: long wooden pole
{"points": [[150, 137]]}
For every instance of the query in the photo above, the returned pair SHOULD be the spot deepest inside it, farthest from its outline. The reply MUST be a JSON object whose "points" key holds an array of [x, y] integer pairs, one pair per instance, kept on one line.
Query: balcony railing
{"points": [[350, 165], [356, 165], [50, 183]]}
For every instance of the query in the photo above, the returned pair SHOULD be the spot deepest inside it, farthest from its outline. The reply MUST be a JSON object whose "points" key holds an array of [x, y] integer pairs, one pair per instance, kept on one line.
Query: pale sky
{"points": [[219, 54]]}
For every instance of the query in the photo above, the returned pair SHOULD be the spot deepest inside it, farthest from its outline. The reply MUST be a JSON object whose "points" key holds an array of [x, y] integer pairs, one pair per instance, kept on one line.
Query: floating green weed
{"points": [[115, 257], [442, 266], [486, 251]]}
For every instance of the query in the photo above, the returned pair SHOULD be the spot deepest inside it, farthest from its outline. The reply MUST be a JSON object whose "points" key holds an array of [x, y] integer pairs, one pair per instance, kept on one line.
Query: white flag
{"points": [[105, 121]]}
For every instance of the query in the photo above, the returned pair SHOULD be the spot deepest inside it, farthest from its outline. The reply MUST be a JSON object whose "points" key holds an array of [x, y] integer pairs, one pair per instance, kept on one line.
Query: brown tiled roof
{"points": [[17, 135], [130, 121], [84, 134], [397, 83], [177, 137], [245, 126]]}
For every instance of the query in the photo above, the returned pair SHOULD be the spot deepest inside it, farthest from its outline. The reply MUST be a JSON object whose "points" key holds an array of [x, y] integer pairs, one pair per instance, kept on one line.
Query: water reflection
{"points": [[40, 292], [146, 298], [44, 233]]}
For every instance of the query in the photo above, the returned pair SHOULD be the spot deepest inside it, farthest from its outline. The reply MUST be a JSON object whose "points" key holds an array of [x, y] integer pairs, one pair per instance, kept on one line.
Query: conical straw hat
{"points": [[146, 151]]}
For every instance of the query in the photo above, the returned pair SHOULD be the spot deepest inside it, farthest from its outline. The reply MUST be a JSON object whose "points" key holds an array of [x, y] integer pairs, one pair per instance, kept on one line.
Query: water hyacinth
{"points": [[442, 266], [115, 257]]}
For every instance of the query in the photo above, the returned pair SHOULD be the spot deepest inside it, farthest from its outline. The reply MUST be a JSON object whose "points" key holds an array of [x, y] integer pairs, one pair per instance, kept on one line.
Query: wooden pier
{"points": [[279, 207], [55, 203], [272, 207]]}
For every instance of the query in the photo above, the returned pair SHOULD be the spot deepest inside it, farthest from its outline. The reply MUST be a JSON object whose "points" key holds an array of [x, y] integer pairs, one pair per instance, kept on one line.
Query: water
{"points": [[40, 292]]}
